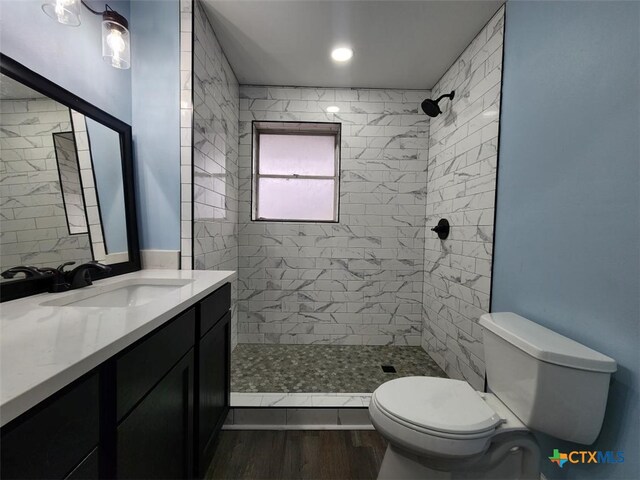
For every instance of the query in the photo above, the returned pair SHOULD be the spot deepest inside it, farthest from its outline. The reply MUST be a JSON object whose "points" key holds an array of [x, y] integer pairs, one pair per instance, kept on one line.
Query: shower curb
{"points": [[304, 418], [297, 399]]}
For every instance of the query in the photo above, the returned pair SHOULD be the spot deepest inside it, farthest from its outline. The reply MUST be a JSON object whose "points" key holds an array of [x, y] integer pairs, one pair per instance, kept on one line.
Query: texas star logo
{"points": [[559, 458]]}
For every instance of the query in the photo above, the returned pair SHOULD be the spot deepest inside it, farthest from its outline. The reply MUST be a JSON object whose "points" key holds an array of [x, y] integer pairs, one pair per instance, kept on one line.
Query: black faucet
{"points": [[59, 283], [29, 272], [80, 277]]}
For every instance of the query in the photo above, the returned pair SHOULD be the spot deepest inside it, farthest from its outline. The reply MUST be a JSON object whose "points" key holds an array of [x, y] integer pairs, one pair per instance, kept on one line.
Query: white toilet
{"points": [[539, 380]]}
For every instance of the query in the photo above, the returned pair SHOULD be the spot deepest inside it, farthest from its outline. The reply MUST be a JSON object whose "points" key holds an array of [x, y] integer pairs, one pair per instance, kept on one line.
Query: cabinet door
{"points": [[50, 440], [213, 395], [156, 439]]}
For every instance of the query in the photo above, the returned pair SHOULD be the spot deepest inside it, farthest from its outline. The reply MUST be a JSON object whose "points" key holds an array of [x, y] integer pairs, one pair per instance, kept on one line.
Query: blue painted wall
{"points": [[156, 120], [107, 168], [146, 96], [68, 56], [567, 246]]}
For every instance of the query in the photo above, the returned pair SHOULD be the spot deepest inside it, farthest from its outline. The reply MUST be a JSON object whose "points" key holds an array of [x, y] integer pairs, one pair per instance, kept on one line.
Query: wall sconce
{"points": [[115, 39], [66, 12], [116, 48]]}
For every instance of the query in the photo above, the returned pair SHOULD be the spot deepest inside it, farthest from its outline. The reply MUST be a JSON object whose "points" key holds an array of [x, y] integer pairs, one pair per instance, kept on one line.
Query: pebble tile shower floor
{"points": [[324, 368]]}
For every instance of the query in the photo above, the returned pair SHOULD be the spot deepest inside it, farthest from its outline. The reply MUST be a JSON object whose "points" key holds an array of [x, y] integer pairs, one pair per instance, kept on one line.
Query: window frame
{"points": [[279, 127]]}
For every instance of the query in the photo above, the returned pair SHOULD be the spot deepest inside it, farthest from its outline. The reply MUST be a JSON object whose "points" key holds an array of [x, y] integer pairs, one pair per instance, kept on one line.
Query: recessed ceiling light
{"points": [[333, 109], [341, 54]]}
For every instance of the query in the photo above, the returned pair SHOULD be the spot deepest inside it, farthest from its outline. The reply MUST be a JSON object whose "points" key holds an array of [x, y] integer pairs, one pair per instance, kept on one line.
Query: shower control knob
{"points": [[442, 229]]}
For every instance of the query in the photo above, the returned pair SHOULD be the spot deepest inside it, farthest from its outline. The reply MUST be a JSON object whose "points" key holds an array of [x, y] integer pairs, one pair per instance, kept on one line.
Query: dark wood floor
{"points": [[305, 454]]}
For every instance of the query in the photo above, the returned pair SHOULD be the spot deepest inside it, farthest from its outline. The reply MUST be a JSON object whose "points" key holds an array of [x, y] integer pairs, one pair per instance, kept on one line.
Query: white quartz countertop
{"points": [[44, 348]]}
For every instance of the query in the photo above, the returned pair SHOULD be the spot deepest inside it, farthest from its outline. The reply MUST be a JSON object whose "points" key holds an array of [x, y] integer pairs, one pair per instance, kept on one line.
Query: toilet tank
{"points": [[552, 383]]}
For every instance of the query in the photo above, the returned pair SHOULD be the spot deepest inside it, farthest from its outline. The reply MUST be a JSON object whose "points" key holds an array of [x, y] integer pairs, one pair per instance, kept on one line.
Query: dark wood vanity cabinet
{"points": [[152, 411]]}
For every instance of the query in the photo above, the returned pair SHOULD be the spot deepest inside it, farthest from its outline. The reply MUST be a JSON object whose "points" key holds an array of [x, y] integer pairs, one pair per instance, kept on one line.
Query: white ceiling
{"points": [[397, 44]]}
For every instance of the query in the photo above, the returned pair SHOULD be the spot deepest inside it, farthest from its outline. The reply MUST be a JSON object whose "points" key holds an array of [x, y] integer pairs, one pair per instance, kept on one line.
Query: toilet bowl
{"points": [[434, 416], [538, 380], [451, 437]]}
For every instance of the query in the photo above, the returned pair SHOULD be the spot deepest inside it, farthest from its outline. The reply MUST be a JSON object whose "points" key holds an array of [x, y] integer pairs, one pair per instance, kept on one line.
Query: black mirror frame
{"points": [[31, 286]]}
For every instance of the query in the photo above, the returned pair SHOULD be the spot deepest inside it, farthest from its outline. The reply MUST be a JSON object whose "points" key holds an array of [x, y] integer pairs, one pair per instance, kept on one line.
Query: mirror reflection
{"points": [[64, 144], [61, 184]]}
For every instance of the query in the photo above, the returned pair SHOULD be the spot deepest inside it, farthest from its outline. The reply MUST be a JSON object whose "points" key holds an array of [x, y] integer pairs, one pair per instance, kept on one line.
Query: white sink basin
{"points": [[128, 293]]}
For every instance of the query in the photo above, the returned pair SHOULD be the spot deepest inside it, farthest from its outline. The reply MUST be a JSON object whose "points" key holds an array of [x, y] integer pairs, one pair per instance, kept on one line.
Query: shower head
{"points": [[431, 107]]}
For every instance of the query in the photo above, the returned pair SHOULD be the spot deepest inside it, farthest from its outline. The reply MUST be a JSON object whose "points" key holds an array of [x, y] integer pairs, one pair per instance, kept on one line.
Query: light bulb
{"points": [[115, 41], [117, 45]]}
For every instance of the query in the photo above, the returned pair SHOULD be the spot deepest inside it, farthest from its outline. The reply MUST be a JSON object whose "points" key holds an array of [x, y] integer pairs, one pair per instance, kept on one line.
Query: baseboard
{"points": [[300, 400], [164, 259]]}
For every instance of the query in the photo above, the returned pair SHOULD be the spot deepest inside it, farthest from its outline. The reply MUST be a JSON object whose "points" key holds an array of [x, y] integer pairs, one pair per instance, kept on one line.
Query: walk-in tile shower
{"points": [[321, 308]]}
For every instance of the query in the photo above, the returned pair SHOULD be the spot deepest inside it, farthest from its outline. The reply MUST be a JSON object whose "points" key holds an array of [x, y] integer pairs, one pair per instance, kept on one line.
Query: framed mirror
{"points": [[66, 183]]}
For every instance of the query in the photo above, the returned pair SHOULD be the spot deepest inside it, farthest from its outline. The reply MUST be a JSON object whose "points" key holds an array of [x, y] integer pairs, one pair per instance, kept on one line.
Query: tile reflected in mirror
{"points": [[61, 184]]}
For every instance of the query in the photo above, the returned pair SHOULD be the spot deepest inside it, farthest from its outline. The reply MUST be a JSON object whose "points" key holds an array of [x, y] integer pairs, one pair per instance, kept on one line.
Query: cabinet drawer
{"points": [[54, 437], [138, 370], [214, 307]]}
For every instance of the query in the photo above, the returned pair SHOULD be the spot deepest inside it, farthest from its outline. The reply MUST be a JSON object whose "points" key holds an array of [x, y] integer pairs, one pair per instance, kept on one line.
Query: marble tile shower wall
{"points": [[358, 281], [34, 223], [215, 156], [461, 187]]}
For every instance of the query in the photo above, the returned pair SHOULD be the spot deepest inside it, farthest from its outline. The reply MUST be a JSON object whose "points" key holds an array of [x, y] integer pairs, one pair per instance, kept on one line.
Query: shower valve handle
{"points": [[442, 229]]}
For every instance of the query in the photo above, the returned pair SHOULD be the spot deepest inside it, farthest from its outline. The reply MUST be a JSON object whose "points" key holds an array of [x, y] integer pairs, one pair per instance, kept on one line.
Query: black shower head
{"points": [[431, 107]]}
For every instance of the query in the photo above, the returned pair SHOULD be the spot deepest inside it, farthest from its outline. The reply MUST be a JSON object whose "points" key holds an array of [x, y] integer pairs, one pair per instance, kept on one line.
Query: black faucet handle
{"points": [[59, 282], [65, 264]]}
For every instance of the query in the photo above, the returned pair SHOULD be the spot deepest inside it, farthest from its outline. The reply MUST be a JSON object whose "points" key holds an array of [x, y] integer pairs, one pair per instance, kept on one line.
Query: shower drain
{"points": [[388, 368]]}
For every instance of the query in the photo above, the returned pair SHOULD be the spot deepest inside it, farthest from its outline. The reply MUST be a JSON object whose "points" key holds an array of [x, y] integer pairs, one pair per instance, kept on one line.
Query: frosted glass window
{"points": [[297, 155], [295, 171], [296, 199]]}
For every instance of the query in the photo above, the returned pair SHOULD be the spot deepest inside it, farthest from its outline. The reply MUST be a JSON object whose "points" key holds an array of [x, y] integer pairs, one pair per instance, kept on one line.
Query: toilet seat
{"points": [[437, 404], [434, 416]]}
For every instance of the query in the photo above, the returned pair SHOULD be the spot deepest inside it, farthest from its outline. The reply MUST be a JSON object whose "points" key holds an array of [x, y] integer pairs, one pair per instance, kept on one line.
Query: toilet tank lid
{"points": [[544, 344]]}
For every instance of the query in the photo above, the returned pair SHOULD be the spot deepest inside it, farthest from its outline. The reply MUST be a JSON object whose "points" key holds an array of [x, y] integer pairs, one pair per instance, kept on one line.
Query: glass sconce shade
{"points": [[66, 12], [115, 40]]}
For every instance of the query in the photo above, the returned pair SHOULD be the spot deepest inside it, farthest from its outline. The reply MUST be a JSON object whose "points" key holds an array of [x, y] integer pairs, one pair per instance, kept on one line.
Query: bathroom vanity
{"points": [[128, 378]]}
